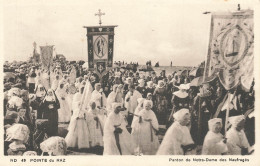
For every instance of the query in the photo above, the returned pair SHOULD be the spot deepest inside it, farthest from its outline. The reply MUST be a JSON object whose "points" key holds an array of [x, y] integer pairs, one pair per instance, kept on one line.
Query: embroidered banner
{"points": [[100, 46], [231, 45], [46, 56]]}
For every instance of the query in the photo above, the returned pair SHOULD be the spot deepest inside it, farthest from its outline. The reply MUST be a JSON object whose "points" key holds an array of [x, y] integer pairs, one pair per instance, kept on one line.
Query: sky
{"points": [[161, 31]]}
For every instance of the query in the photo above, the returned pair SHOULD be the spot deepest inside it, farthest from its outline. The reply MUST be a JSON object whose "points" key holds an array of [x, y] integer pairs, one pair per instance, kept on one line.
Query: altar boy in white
{"points": [[144, 131], [117, 140]]}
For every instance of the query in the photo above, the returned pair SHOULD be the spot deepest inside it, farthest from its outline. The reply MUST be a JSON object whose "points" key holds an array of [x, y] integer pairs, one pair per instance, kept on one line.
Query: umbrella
{"points": [[182, 72], [197, 72], [196, 81], [193, 72]]}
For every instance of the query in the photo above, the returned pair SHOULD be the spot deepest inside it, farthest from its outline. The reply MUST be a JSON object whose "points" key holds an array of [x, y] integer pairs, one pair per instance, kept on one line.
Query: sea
{"points": [[168, 69]]}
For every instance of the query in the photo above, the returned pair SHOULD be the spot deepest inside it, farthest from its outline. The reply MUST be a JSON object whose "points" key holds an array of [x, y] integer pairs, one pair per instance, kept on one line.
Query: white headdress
{"points": [[179, 115], [115, 105], [234, 120], [150, 84], [15, 102], [30, 153], [54, 145], [140, 81], [184, 86], [14, 92], [148, 102], [213, 122], [18, 132], [50, 98], [159, 84]]}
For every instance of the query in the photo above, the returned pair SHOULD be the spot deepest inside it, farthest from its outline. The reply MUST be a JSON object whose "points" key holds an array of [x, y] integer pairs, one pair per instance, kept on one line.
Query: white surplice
{"points": [[176, 136], [132, 103], [110, 146], [97, 97], [143, 134]]}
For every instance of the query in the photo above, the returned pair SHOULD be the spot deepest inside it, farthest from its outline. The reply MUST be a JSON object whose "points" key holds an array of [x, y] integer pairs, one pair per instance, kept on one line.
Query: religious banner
{"points": [[101, 67], [231, 45], [100, 45], [36, 57], [46, 56]]}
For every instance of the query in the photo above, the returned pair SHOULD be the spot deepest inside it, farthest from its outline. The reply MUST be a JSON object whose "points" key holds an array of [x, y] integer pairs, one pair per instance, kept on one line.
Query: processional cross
{"points": [[99, 14]]}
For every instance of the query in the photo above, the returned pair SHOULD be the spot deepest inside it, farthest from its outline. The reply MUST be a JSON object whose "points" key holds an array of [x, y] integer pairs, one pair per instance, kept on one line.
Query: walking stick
{"points": [[199, 121]]}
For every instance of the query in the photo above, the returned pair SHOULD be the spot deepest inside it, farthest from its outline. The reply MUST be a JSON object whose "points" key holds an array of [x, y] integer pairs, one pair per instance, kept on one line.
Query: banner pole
{"points": [[227, 115]]}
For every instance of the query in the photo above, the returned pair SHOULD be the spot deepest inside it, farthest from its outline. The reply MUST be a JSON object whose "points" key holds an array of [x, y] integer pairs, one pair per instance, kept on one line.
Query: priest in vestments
{"points": [[98, 96], [112, 97], [131, 102]]}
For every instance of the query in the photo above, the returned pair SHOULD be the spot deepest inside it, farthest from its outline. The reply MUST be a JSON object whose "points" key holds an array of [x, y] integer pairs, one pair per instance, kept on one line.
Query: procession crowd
{"points": [[125, 113]]}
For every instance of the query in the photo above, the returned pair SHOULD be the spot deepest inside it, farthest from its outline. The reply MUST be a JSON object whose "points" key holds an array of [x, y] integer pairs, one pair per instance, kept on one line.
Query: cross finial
{"points": [[99, 14]]}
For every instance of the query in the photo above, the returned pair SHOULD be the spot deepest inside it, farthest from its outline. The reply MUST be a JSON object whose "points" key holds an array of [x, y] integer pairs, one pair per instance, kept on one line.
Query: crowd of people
{"points": [[124, 113]]}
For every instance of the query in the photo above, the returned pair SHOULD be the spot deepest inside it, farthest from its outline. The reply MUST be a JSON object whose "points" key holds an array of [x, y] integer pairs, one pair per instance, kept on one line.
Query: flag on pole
{"points": [[231, 45], [46, 56]]}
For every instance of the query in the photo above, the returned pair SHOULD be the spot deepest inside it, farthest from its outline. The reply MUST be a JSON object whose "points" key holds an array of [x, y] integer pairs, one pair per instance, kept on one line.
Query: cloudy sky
{"points": [[161, 31]]}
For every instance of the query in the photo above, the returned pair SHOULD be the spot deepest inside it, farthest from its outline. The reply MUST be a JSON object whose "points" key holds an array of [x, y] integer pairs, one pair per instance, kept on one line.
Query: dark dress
{"points": [[202, 112], [142, 90], [149, 90], [125, 89], [177, 104], [32, 85], [50, 112], [161, 105]]}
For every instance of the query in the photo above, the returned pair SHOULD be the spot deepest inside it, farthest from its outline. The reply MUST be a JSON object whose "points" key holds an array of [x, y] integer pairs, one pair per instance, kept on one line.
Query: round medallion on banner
{"points": [[234, 46], [100, 46]]}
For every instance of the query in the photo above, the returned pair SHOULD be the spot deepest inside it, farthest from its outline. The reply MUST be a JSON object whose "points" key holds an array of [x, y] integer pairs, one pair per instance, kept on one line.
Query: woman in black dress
{"points": [[180, 99], [50, 106], [161, 104]]}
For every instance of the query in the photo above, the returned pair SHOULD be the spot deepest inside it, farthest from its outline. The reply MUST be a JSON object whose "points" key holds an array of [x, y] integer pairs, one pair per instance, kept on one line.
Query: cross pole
{"points": [[99, 14]]}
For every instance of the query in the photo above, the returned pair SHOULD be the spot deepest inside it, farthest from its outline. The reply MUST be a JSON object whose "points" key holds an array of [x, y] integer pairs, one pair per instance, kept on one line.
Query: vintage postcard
{"points": [[130, 82]]}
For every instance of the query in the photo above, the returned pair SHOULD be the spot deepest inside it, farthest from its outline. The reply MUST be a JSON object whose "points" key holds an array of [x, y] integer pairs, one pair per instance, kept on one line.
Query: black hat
{"points": [[11, 115]]}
